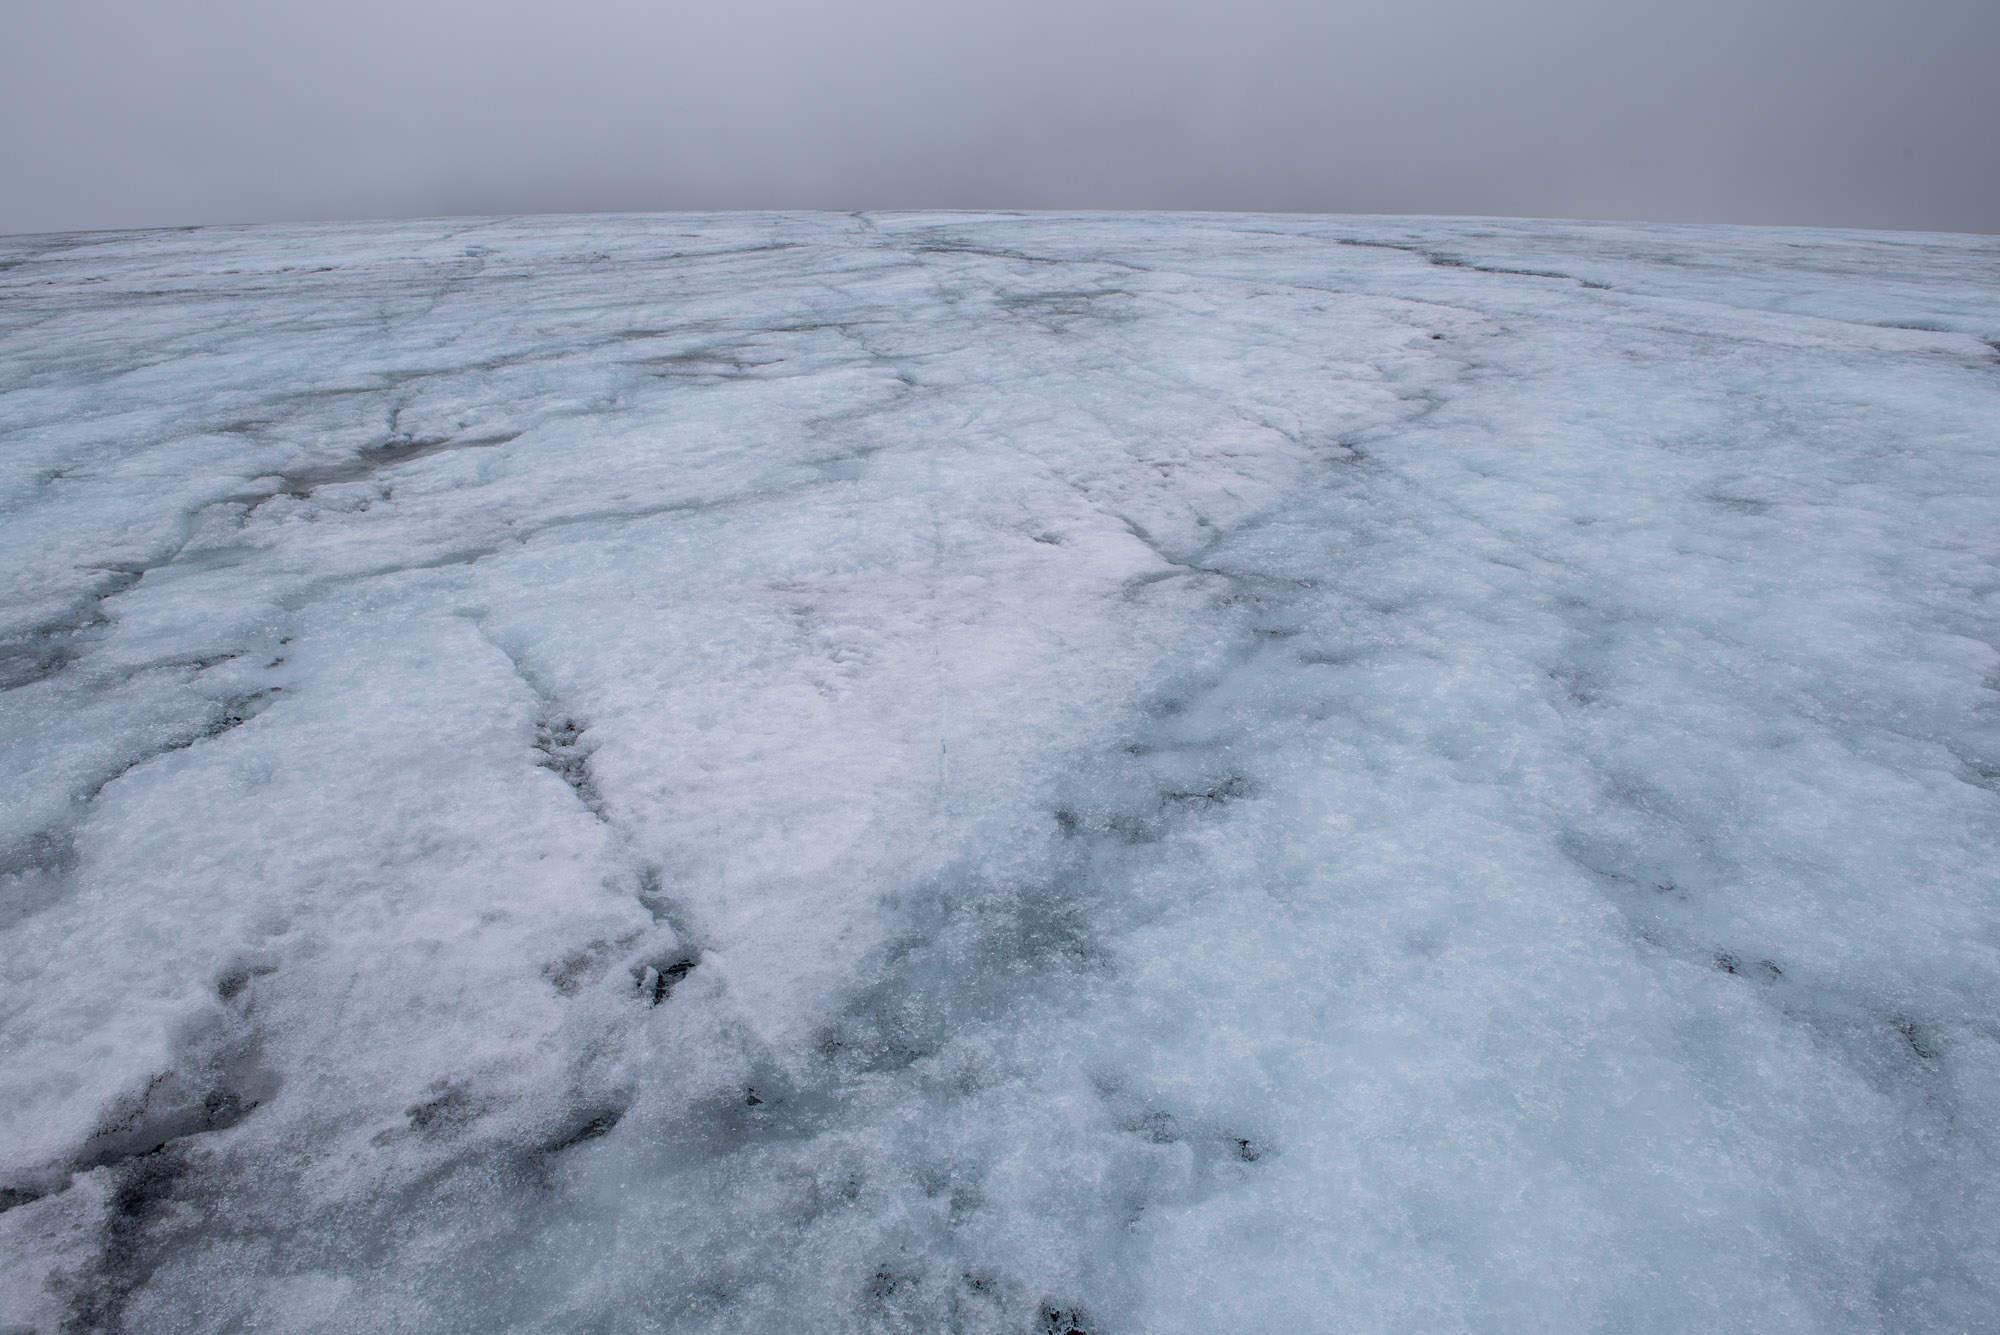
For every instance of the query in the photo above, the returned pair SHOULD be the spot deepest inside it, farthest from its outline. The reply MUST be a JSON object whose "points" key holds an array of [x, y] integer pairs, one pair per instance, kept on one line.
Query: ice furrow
{"points": [[994, 773]]}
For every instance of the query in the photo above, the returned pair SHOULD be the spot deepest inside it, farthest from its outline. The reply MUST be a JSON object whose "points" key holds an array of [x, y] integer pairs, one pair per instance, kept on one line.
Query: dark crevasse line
{"points": [[972, 954], [46, 650], [151, 1143], [35, 866], [171, 1191], [853, 1149], [1446, 260]]}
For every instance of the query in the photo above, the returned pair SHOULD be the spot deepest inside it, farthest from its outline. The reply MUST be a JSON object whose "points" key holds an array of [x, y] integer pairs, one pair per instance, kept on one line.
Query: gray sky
{"points": [[1872, 113]]}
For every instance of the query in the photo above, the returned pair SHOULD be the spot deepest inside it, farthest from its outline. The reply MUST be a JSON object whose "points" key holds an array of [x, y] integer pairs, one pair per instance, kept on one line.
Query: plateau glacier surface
{"points": [[1125, 774]]}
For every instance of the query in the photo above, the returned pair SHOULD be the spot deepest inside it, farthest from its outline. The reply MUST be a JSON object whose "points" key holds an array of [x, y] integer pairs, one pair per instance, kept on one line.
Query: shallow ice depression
{"points": [[1104, 774]]}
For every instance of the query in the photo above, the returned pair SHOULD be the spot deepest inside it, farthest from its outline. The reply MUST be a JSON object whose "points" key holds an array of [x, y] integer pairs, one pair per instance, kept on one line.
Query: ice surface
{"points": [[988, 773]]}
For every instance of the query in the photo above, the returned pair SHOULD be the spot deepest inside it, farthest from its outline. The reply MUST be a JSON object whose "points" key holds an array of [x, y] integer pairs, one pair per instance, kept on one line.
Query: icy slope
{"points": [[1018, 774]]}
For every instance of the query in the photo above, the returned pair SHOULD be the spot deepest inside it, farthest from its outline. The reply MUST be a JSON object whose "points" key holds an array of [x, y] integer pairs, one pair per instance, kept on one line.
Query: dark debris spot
{"points": [[452, 1108], [560, 732], [1979, 771], [591, 1128], [1764, 971], [241, 710], [1231, 789], [1919, 1040], [564, 753], [582, 965], [13, 1196], [657, 980], [1578, 683], [224, 1107], [1742, 505], [1062, 1321], [231, 984]]}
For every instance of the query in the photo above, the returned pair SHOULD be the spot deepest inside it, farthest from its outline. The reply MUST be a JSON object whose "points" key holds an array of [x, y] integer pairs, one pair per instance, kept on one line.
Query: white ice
{"points": [[1113, 773]]}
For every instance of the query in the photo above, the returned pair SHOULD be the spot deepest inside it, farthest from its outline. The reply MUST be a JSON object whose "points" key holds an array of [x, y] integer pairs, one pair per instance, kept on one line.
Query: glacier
{"points": [[1100, 773]]}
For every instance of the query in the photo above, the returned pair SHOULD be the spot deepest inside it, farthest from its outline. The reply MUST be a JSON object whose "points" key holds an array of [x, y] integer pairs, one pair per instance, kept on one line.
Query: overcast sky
{"points": [[1873, 113]]}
